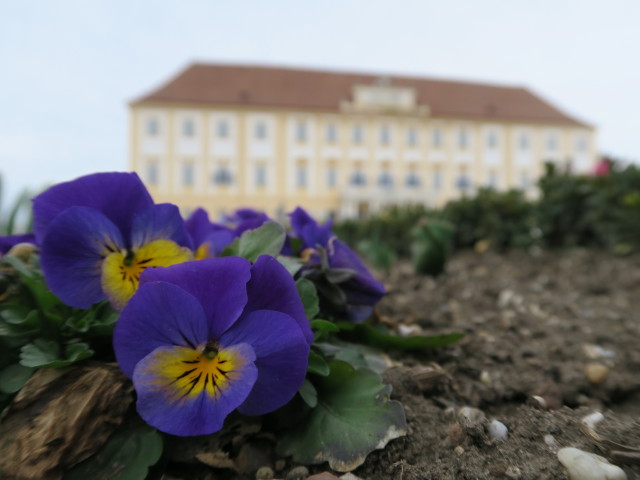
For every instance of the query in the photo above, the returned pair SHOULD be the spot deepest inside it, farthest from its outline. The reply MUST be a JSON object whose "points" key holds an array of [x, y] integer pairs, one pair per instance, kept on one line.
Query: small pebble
{"points": [[592, 419], [498, 431], [349, 476], [458, 450], [539, 401], [485, 377], [408, 330], [596, 352], [513, 472], [264, 473], [551, 442], [323, 476], [298, 473], [596, 372], [472, 416], [581, 465]]}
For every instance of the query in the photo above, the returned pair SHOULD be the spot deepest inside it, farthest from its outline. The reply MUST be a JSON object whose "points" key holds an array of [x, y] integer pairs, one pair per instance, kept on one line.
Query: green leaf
{"points": [[363, 333], [309, 297], [74, 352], [293, 265], [354, 416], [362, 356], [317, 364], [126, 456], [268, 239], [34, 281], [46, 353], [13, 378], [40, 353], [324, 326], [308, 393]]}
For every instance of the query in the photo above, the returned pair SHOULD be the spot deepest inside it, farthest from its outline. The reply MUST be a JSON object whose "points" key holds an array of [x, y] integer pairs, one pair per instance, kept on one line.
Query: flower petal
{"points": [[247, 219], [159, 314], [198, 226], [272, 288], [219, 284], [159, 222], [119, 196], [121, 272], [308, 230], [363, 291], [178, 393], [72, 252], [282, 353]]}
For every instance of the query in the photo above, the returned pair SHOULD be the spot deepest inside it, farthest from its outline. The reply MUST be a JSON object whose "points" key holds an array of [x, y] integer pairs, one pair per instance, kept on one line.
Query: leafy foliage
{"points": [[353, 416], [570, 211], [431, 246], [504, 219], [126, 456], [265, 240], [37, 330]]}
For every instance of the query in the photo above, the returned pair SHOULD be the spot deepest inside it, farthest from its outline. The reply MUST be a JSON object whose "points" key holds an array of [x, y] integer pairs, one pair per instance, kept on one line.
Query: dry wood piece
{"points": [[60, 418]]}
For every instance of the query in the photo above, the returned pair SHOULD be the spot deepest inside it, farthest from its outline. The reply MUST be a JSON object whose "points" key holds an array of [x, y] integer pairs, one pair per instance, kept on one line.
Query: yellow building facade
{"points": [[224, 137]]}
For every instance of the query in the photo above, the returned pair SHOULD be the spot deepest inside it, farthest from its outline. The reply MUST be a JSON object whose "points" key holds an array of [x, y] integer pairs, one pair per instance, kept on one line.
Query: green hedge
{"points": [[571, 210]]}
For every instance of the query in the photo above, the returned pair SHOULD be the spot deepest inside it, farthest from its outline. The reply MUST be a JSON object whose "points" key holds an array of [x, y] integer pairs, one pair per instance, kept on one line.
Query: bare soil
{"points": [[533, 324]]}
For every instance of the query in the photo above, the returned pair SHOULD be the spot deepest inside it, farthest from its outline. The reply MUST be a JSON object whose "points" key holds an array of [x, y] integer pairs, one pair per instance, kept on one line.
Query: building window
{"points": [[301, 132], [413, 180], [492, 140], [525, 182], [463, 138], [437, 180], [462, 182], [412, 137], [436, 138], [358, 179], [385, 180], [523, 142], [188, 128], [222, 176], [223, 129], [358, 134], [153, 176], [301, 175], [260, 130], [582, 144], [187, 174], [332, 177], [331, 133], [552, 142], [153, 127], [385, 135], [261, 175]]}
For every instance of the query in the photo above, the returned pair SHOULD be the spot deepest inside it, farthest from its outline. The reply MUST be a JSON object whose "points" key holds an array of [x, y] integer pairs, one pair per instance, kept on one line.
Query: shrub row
{"points": [[570, 211]]}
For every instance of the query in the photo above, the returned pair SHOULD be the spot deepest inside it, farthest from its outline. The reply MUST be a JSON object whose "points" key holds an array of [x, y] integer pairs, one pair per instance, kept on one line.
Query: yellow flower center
{"points": [[121, 270]]}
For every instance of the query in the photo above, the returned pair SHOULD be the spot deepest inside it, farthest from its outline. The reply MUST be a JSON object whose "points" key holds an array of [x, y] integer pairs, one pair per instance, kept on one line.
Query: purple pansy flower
{"points": [[362, 291], [98, 233], [202, 339], [209, 239], [245, 219], [8, 241]]}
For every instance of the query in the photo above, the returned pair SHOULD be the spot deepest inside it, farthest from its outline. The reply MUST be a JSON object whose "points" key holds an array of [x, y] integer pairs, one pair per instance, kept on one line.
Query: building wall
{"points": [[342, 164]]}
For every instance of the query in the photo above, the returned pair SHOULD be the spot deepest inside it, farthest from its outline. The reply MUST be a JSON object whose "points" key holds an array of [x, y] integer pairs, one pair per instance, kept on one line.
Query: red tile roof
{"points": [[246, 85]]}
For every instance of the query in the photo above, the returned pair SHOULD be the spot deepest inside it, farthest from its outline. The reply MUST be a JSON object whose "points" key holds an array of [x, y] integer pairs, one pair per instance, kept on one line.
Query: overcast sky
{"points": [[68, 68]]}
